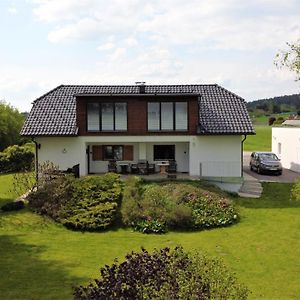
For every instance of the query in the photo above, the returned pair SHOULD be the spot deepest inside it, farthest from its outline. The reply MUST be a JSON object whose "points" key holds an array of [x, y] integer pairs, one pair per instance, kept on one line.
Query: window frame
{"points": [[163, 145], [113, 151], [174, 117], [100, 116]]}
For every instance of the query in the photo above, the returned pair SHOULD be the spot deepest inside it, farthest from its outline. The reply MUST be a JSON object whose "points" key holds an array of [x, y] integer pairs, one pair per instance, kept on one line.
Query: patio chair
{"points": [[151, 168], [112, 166], [172, 167], [143, 167], [134, 168]]}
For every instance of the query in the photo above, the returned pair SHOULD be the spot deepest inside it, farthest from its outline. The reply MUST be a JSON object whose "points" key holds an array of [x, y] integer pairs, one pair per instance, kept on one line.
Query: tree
{"points": [[11, 122], [290, 58]]}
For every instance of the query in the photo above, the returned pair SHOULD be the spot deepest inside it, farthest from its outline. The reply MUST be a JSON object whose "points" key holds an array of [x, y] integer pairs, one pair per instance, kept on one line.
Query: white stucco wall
{"points": [[218, 155], [64, 152], [215, 156], [289, 138]]}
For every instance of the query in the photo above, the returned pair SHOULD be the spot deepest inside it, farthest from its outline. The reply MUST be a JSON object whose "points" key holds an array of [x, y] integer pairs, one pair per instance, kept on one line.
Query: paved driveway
{"points": [[287, 175]]}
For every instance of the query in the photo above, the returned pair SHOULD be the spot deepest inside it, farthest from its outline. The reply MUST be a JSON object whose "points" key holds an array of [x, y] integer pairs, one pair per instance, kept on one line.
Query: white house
{"points": [[286, 144], [199, 127]]}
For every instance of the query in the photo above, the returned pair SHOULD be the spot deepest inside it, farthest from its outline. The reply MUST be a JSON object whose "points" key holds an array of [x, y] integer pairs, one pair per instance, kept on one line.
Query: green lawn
{"points": [[261, 141], [5, 188], [42, 260]]}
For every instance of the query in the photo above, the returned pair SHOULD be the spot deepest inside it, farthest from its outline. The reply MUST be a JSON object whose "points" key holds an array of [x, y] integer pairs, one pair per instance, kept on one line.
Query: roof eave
{"points": [[135, 94], [49, 135], [227, 133]]}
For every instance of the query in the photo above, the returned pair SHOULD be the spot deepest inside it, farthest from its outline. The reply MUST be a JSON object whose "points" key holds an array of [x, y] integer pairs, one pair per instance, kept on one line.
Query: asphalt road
{"points": [[287, 175]]}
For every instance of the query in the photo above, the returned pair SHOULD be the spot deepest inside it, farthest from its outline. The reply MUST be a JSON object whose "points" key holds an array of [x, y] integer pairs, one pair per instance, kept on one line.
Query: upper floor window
{"points": [[167, 116], [107, 116]]}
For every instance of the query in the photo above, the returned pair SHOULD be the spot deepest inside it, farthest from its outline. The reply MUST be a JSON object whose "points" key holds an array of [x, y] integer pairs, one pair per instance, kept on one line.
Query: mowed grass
{"points": [[6, 184], [261, 141], [43, 260]]}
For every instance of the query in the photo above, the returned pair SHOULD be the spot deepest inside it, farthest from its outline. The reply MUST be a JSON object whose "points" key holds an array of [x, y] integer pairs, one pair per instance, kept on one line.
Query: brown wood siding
{"points": [[128, 152], [137, 114], [97, 151]]}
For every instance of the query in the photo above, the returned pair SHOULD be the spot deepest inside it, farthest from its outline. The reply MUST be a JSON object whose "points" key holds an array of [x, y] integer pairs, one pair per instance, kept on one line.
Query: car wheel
{"points": [[279, 173]]}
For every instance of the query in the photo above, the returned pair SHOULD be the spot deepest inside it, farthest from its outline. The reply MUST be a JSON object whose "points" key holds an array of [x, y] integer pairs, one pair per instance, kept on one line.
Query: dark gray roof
{"points": [[220, 111]]}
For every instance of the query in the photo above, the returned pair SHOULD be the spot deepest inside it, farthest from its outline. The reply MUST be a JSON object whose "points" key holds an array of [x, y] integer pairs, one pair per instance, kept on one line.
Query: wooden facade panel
{"points": [[128, 152], [137, 114], [97, 152]]}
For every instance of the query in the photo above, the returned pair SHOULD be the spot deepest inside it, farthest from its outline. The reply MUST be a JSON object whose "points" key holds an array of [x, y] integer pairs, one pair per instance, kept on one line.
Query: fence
{"points": [[220, 169]]}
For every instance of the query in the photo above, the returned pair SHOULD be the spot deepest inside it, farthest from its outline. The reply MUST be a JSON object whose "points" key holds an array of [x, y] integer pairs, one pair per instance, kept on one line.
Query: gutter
{"points": [[242, 150], [36, 163]]}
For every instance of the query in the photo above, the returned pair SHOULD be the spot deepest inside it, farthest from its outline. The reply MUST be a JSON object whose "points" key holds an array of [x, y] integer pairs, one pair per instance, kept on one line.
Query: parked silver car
{"points": [[265, 162]]}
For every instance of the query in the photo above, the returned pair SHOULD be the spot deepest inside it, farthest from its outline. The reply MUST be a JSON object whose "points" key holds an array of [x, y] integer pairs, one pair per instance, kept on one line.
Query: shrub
{"points": [[178, 206], [271, 120], [209, 209], [89, 203], [16, 158], [52, 196], [295, 192], [94, 203], [150, 226], [131, 209], [279, 121], [164, 274]]}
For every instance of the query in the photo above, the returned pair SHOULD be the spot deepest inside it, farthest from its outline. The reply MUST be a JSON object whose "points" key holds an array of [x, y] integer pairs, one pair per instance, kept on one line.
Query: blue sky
{"points": [[45, 43]]}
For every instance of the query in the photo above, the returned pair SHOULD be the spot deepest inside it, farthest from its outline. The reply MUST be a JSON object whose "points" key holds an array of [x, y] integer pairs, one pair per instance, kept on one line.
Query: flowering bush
{"points": [[176, 205], [164, 274]]}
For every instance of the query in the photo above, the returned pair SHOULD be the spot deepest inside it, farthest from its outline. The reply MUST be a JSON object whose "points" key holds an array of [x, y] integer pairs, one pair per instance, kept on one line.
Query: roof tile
{"points": [[220, 111]]}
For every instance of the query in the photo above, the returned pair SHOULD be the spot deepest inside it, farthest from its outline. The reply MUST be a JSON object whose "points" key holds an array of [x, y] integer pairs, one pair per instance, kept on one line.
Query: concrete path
{"points": [[251, 187]]}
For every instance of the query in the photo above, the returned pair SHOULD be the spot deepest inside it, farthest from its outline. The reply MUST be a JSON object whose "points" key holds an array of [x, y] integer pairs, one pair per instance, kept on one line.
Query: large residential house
{"points": [[198, 128]]}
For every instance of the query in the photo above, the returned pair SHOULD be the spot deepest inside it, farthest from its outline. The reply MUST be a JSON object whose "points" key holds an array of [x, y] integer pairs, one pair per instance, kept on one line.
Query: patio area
{"points": [[163, 177]]}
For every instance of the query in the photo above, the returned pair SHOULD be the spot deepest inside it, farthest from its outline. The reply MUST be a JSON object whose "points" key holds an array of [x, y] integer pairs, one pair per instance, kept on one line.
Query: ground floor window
{"points": [[113, 152], [164, 152]]}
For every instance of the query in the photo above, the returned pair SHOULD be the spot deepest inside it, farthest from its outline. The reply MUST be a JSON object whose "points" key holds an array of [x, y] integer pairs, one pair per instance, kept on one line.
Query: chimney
{"points": [[142, 86]]}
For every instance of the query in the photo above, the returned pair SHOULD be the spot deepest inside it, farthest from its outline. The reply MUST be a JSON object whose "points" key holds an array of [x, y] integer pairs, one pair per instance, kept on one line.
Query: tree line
{"points": [[275, 105], [11, 122]]}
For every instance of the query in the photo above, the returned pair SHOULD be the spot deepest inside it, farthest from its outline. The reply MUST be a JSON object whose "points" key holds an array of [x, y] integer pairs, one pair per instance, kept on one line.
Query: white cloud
{"points": [[62, 10], [118, 54], [106, 46], [214, 24], [230, 42], [12, 10], [83, 28], [131, 41]]}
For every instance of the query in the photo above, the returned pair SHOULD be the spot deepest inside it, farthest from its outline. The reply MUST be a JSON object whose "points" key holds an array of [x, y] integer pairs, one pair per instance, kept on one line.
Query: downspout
{"points": [[36, 163], [242, 158]]}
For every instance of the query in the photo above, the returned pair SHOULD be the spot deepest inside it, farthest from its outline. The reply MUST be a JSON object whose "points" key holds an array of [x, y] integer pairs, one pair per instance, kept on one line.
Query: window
{"points": [[181, 116], [167, 116], [107, 116], [121, 116], [93, 117], [153, 116], [113, 152], [164, 152]]}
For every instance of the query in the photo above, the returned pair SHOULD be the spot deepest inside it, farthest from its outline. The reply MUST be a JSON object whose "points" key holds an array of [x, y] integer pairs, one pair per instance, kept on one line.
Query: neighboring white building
{"points": [[201, 127], [286, 144]]}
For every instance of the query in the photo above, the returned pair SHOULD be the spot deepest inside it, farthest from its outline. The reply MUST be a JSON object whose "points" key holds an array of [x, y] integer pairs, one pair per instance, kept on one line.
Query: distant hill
{"points": [[287, 103]]}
